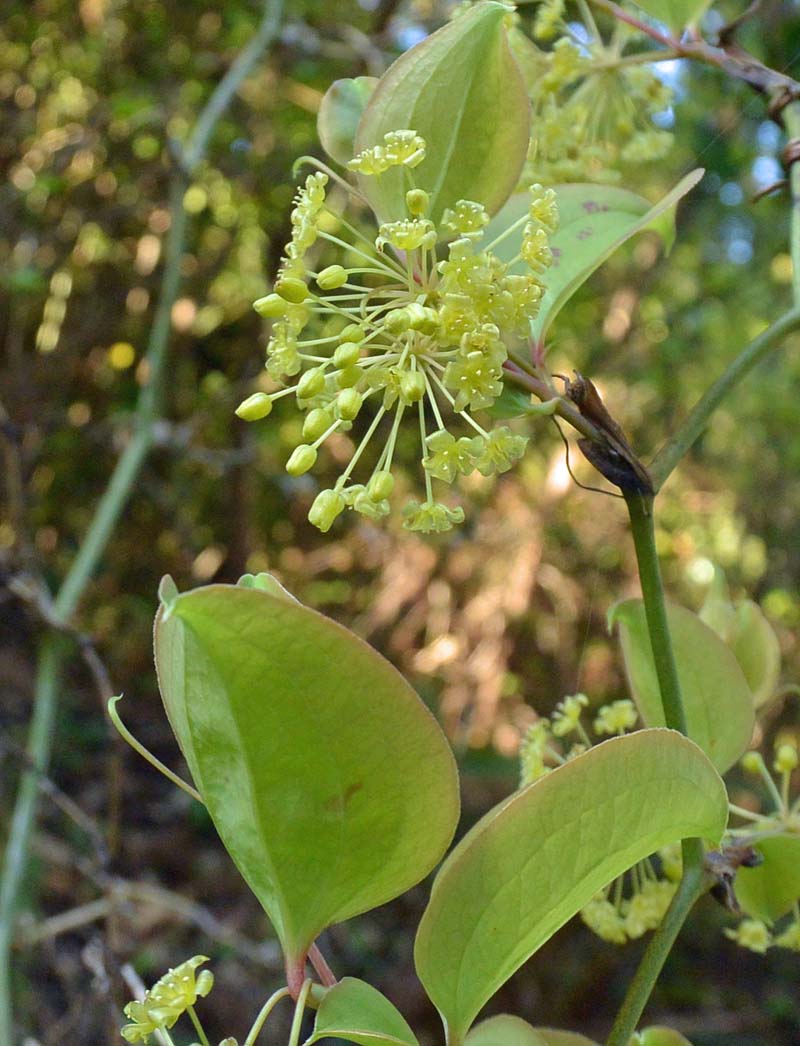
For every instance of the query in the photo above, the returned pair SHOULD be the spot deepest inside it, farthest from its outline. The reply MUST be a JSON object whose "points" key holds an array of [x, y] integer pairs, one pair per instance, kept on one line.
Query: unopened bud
{"points": [[332, 277], [272, 305], [348, 404], [412, 386], [327, 506], [311, 384], [292, 289], [255, 407], [417, 201], [346, 355], [301, 460], [380, 486]]}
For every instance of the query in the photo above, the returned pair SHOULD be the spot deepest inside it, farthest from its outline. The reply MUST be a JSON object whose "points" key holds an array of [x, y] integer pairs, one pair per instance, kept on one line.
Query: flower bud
{"points": [[327, 506], [311, 384], [317, 422], [301, 460], [785, 759], [417, 201], [292, 289], [332, 277], [348, 404], [346, 355], [255, 407], [349, 377], [397, 321], [380, 486], [412, 386], [352, 332], [422, 318], [272, 305], [752, 762]]}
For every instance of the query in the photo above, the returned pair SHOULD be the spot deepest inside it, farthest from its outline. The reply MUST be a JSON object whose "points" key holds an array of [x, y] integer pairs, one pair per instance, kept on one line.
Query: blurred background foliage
{"points": [[503, 616]]}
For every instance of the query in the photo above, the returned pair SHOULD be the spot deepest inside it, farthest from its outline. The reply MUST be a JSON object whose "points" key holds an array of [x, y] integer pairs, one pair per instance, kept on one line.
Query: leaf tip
{"points": [[167, 592]]}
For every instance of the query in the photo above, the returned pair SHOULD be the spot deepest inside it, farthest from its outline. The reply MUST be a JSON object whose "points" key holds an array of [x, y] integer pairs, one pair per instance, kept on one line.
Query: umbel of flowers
{"points": [[423, 318]]}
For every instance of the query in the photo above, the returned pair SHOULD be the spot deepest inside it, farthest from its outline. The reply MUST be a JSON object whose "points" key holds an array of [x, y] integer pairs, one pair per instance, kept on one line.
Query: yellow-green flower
{"points": [[169, 997], [752, 934], [407, 326]]}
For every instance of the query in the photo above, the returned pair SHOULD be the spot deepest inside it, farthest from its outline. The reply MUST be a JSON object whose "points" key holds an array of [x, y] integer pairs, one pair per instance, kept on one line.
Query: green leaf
{"points": [[355, 1011], [757, 650], [535, 860], [677, 14], [513, 1031], [594, 220], [328, 780], [514, 403], [716, 697], [339, 113], [769, 891], [745, 629], [504, 1030], [462, 90], [657, 1035], [267, 583]]}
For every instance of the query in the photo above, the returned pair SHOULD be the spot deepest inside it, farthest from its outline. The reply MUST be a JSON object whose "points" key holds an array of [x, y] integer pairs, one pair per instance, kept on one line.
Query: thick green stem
{"points": [[690, 888], [109, 510], [692, 885], [694, 426], [640, 510]]}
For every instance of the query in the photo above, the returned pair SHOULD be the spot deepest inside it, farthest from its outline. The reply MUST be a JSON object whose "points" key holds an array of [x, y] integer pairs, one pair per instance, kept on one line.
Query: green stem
{"points": [[791, 121], [299, 1010], [640, 510], [690, 888], [198, 1027], [265, 1011], [692, 885], [672, 452], [109, 510]]}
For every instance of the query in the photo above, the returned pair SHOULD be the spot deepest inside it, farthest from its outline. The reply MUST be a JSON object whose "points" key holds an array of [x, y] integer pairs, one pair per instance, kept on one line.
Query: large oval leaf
{"points": [[769, 891], [328, 780], [462, 90], [594, 220], [506, 1030], [355, 1011], [530, 864], [339, 114], [716, 697]]}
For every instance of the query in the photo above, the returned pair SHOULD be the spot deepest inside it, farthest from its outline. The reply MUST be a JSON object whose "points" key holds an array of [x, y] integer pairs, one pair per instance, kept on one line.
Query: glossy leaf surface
{"points": [[355, 1011], [328, 780], [339, 114], [462, 90], [769, 891], [506, 1030], [716, 697], [531, 863], [594, 220]]}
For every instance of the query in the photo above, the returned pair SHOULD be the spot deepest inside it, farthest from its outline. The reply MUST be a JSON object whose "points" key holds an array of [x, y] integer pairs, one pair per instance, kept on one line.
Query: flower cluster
{"points": [[592, 107], [782, 820], [175, 993], [418, 323], [635, 902]]}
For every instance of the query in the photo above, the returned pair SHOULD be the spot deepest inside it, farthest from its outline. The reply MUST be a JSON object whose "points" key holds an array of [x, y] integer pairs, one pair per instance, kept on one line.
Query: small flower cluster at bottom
{"points": [[635, 902], [174, 994]]}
